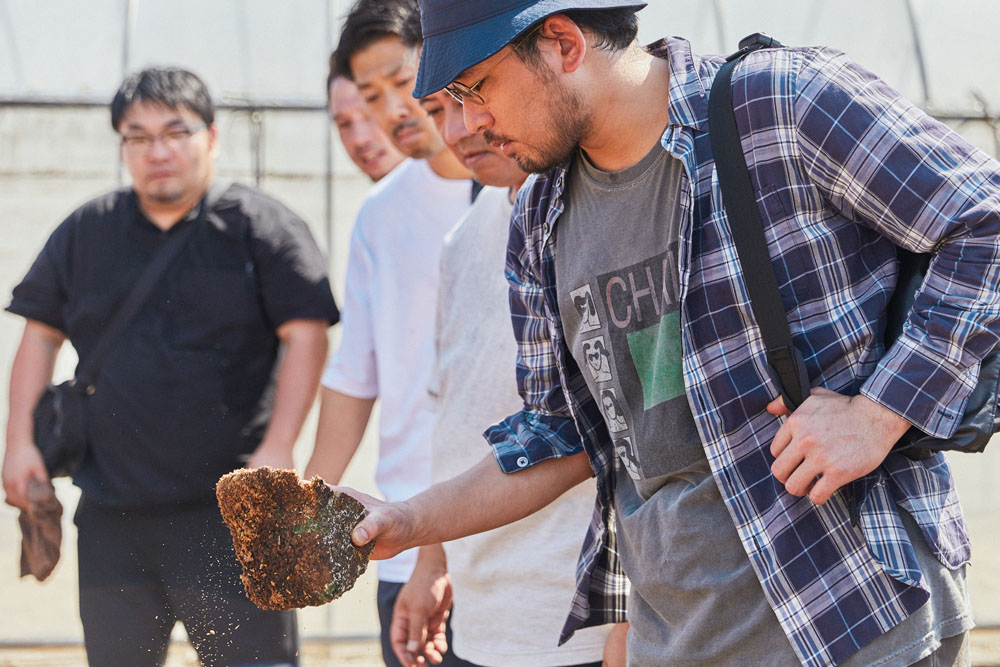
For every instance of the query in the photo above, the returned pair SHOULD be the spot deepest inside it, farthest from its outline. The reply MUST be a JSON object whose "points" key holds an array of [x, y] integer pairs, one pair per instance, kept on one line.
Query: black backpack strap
{"points": [[86, 372], [785, 363]]}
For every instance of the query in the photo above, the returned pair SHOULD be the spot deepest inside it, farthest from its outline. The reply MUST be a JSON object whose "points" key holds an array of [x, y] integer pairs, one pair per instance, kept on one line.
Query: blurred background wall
{"points": [[265, 62]]}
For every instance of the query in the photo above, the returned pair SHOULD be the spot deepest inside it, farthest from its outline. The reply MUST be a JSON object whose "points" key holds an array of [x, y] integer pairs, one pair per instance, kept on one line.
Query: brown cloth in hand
{"points": [[41, 530]]}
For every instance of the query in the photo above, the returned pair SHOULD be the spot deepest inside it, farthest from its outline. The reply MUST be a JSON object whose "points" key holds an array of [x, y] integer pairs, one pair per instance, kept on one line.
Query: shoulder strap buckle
{"points": [[757, 40]]}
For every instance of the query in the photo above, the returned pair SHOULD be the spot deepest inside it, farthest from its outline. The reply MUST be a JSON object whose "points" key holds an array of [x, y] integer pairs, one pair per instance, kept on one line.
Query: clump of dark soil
{"points": [[292, 537]]}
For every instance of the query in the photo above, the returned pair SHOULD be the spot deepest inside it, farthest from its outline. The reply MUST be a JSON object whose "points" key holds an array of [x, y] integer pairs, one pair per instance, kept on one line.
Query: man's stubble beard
{"points": [[567, 122], [165, 196]]}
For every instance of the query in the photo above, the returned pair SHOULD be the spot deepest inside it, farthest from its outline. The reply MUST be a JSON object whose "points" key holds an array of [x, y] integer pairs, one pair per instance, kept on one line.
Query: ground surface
{"points": [[354, 653]]}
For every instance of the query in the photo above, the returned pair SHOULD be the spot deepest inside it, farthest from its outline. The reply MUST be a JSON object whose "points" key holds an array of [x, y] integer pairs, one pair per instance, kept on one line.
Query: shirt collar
{"points": [[688, 107], [141, 219], [688, 98]]}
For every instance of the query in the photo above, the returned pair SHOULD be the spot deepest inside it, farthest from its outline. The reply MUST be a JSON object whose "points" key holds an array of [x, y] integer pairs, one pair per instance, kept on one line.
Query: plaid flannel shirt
{"points": [[843, 169]]}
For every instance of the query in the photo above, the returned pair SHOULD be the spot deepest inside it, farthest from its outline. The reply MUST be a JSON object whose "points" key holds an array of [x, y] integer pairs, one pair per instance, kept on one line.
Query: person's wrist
{"points": [[20, 444], [413, 534], [883, 419], [431, 558], [272, 443]]}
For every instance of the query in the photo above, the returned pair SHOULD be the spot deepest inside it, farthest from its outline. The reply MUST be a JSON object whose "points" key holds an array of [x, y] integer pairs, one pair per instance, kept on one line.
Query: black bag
{"points": [[785, 363], [981, 419], [60, 416], [61, 427]]}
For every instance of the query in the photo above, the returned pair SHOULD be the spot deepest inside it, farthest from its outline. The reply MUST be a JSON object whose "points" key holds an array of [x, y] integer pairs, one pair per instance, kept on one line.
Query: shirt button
{"points": [[522, 461], [545, 228]]}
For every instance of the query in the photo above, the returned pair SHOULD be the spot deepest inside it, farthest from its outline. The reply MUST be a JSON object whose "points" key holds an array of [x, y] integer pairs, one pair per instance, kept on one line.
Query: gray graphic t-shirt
{"points": [[618, 297], [695, 597]]}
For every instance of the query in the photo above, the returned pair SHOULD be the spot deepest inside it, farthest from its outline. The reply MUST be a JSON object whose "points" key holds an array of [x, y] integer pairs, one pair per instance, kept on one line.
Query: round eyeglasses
{"points": [[173, 139]]}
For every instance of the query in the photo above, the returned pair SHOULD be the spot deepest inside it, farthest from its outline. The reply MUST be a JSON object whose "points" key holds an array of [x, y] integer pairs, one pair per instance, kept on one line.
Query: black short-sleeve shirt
{"points": [[185, 392]]}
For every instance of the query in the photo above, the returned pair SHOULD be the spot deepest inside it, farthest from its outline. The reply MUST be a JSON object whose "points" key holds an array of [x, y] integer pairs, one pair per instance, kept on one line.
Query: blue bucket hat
{"points": [[460, 33]]}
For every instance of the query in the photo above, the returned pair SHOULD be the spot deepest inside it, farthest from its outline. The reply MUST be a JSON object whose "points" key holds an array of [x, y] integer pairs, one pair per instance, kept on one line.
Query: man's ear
{"points": [[566, 39], [213, 140]]}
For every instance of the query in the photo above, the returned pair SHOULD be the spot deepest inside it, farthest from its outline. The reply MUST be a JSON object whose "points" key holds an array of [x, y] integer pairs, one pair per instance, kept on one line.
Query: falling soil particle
{"points": [[292, 537]]}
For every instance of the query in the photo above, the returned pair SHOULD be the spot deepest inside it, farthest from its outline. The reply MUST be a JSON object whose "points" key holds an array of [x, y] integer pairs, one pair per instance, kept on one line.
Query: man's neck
{"points": [[512, 190], [166, 215], [446, 165], [632, 98]]}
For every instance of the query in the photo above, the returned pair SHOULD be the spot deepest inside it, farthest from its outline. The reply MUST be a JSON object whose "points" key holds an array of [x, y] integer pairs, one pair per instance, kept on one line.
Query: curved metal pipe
{"points": [[918, 49]]}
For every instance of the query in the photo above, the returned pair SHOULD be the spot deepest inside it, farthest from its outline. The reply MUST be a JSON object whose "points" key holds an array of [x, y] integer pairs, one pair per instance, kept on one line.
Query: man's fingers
{"points": [[433, 656], [404, 656], [831, 440], [16, 492], [368, 501], [777, 407], [19, 467], [801, 481], [369, 527], [398, 634], [786, 461], [378, 522], [440, 642], [417, 635], [388, 524], [823, 489], [781, 440], [365, 531]]}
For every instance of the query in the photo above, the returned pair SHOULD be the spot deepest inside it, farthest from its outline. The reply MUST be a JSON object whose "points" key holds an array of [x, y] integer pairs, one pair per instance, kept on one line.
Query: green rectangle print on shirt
{"points": [[656, 353]]}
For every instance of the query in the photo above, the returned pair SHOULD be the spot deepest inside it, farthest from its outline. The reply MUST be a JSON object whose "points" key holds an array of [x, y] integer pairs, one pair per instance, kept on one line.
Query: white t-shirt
{"points": [[512, 586], [387, 317]]}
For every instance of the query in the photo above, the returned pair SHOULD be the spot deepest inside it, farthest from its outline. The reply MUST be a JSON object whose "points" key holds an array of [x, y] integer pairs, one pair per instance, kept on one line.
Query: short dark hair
{"points": [[412, 34], [369, 21], [170, 87], [614, 29], [334, 72]]}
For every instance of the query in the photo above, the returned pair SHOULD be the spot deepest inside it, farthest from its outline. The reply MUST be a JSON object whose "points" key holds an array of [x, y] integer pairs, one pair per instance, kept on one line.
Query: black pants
{"points": [[140, 572]]}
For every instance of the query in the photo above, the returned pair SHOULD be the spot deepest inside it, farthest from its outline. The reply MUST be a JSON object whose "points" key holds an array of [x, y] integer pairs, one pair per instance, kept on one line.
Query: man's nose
{"points": [[395, 105], [159, 150], [454, 129], [477, 118], [362, 133]]}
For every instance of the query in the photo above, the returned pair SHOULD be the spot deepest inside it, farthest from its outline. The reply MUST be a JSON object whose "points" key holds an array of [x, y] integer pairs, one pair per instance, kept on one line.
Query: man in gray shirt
{"points": [[828, 546]]}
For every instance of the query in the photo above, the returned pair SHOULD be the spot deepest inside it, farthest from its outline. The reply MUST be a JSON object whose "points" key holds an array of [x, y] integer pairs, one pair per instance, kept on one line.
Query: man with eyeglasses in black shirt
{"points": [[189, 390]]}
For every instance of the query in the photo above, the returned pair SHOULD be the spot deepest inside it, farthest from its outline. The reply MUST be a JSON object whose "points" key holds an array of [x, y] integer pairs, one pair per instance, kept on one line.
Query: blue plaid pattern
{"points": [[843, 169]]}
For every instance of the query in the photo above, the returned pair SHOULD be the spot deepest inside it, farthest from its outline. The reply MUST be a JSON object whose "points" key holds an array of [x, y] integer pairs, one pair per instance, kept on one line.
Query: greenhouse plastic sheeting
{"points": [[276, 52]]}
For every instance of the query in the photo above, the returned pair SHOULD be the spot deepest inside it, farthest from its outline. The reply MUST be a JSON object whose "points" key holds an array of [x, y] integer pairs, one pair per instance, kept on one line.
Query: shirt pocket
{"points": [[216, 309]]}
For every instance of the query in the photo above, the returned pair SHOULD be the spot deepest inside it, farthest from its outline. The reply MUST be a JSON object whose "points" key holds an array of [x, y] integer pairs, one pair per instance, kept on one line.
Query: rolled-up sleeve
{"points": [[544, 429], [290, 267], [41, 294], [880, 160]]}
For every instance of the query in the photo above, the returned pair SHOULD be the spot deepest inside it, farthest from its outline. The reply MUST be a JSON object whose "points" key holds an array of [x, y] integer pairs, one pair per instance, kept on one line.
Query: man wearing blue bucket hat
{"points": [[745, 536]]}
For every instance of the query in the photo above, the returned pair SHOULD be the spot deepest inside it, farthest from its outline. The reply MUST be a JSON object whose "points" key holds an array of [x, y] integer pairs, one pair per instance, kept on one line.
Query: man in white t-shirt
{"points": [[391, 285], [499, 616]]}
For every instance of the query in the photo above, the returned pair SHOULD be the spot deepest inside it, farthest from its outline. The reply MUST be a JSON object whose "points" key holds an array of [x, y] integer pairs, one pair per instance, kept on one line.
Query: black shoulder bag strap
{"points": [[86, 372], [785, 363]]}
